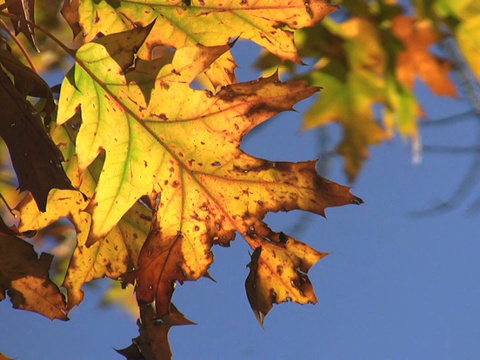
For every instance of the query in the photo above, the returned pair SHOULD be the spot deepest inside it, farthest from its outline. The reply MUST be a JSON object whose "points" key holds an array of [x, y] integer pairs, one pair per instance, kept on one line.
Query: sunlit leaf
{"points": [[278, 273], [211, 23], [182, 144]]}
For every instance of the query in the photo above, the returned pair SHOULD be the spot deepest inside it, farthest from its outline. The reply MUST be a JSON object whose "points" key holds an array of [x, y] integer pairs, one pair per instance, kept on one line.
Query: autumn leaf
{"points": [[278, 273], [24, 10], [463, 17], [70, 13], [3, 357], [182, 144], [267, 23], [27, 82], [353, 83], [36, 159], [417, 59], [25, 277], [113, 255]]}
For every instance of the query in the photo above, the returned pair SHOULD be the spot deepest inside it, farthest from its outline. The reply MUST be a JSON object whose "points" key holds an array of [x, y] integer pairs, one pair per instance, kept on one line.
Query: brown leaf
{"points": [[24, 10], [27, 81], [159, 267], [278, 273], [25, 276], [153, 340], [35, 158], [70, 13]]}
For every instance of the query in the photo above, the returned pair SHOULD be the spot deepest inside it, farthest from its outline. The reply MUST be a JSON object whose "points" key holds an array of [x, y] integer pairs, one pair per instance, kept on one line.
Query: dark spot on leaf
{"points": [[146, 217]]}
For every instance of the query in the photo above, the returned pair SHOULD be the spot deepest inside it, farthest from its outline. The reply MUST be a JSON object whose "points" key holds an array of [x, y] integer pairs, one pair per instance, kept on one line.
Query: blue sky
{"points": [[395, 286]]}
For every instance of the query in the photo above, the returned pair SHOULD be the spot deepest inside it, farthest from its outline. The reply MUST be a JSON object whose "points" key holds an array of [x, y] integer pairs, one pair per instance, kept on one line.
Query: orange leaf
{"points": [[417, 59]]}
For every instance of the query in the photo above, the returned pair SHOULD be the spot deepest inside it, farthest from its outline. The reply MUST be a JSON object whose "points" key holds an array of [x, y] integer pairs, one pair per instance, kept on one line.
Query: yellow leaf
{"points": [[278, 273], [463, 17], [348, 98], [181, 147], [352, 82], [266, 22], [114, 254]]}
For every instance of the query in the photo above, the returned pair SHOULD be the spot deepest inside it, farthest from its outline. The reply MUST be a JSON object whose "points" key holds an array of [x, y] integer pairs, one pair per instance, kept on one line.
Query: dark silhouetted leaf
{"points": [[70, 13], [35, 158], [27, 82], [24, 10]]}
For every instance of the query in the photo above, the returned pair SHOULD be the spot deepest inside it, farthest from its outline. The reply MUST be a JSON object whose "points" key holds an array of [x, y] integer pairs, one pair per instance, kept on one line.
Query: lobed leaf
{"points": [[181, 147], [211, 23], [278, 273], [26, 278], [114, 254]]}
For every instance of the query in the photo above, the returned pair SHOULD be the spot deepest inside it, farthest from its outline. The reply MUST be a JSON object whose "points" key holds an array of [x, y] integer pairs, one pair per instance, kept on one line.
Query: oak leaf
{"points": [[25, 277], [181, 147], [3, 357], [278, 273], [24, 10], [464, 20], [113, 255], [265, 22]]}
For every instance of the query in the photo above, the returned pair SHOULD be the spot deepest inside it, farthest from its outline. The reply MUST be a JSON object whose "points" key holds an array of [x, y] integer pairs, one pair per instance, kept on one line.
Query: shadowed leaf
{"points": [[114, 254], [24, 10], [36, 159], [26, 278]]}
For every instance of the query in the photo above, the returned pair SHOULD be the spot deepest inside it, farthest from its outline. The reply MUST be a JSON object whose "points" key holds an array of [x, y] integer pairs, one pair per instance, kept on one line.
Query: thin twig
{"points": [[440, 149], [453, 119]]}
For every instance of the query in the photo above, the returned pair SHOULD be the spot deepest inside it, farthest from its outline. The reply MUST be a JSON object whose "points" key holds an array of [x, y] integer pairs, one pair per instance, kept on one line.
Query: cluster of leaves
{"points": [[147, 189], [370, 58], [143, 180]]}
